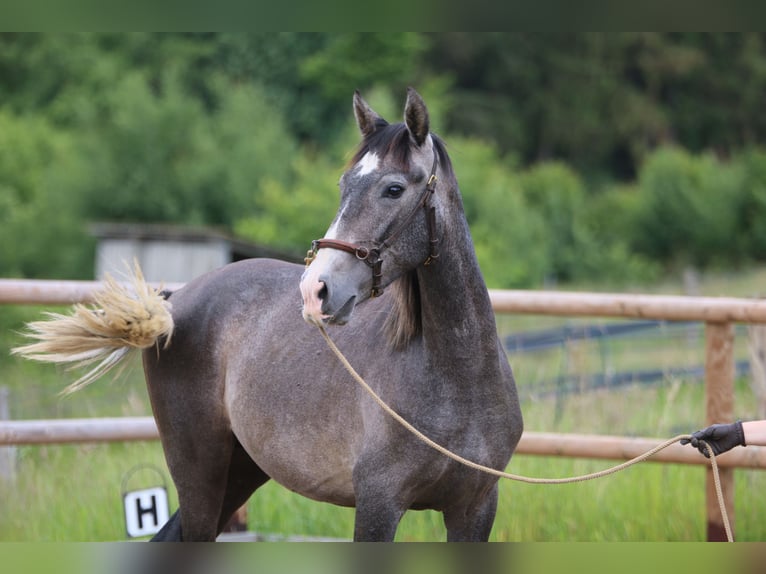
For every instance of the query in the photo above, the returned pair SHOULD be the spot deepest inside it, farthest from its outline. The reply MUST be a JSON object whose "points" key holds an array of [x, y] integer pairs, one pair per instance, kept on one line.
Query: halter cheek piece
{"points": [[372, 255]]}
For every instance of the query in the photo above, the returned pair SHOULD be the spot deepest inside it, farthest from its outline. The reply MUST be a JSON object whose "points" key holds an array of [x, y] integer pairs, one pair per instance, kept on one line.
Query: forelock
{"points": [[390, 142]]}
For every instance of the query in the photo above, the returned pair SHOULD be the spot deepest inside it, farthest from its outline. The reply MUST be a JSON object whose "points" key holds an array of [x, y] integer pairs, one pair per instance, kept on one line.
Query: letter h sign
{"points": [[146, 511]]}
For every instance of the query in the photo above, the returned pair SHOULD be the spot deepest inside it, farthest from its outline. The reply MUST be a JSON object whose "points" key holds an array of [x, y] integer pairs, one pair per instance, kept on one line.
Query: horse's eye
{"points": [[394, 191]]}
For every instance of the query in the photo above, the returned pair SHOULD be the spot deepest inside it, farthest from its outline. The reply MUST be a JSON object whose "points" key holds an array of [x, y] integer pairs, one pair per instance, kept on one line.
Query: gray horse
{"points": [[244, 389]]}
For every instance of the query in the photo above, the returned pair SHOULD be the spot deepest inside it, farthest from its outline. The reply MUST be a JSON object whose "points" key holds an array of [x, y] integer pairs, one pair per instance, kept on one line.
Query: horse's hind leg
{"points": [[208, 466], [171, 531], [244, 477], [200, 474], [203, 515]]}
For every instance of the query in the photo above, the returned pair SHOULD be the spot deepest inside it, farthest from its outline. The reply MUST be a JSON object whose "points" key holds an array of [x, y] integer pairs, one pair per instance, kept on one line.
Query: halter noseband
{"points": [[372, 255]]}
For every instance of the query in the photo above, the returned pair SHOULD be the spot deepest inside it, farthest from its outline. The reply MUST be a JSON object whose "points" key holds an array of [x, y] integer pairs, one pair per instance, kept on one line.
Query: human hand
{"points": [[720, 437]]}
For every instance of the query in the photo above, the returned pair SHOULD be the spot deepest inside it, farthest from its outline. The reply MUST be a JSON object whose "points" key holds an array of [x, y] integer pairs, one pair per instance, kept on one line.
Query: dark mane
{"points": [[404, 322], [393, 140]]}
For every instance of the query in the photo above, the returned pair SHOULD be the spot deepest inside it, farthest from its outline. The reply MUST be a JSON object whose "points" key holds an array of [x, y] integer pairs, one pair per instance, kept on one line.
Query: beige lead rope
{"points": [[501, 474]]}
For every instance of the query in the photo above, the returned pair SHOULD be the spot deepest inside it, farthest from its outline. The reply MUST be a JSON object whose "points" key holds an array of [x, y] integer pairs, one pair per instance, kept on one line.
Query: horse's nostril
{"points": [[322, 294]]}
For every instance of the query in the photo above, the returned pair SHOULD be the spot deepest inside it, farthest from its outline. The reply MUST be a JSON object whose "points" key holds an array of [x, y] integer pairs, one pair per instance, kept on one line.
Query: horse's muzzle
{"points": [[313, 292], [343, 314], [331, 286], [318, 307]]}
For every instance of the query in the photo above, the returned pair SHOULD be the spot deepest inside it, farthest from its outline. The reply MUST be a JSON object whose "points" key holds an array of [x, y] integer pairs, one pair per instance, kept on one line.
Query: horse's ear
{"points": [[366, 118], [416, 116]]}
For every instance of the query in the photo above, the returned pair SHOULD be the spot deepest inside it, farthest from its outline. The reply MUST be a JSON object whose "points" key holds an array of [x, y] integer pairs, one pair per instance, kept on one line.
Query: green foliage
{"points": [[35, 209], [292, 216], [752, 210], [567, 168], [382, 59], [509, 236], [247, 144], [143, 154], [611, 218], [159, 157], [539, 225], [557, 194], [603, 101], [689, 207]]}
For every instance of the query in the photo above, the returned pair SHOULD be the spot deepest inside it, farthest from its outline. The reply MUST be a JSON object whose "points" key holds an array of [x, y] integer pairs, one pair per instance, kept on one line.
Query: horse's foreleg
{"points": [[376, 520], [472, 524], [379, 505]]}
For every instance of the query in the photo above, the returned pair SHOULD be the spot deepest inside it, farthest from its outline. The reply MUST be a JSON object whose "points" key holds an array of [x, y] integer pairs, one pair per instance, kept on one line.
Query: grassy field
{"points": [[74, 493]]}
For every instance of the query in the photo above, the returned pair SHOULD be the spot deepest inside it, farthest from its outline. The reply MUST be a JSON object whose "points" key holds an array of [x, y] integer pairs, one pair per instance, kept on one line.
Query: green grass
{"points": [[73, 492]]}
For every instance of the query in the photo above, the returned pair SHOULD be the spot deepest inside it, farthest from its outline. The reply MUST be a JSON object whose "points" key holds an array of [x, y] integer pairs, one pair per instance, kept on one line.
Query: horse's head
{"points": [[386, 223]]}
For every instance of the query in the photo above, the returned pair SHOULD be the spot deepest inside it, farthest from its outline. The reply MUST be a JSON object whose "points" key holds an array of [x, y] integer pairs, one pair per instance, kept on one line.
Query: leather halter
{"points": [[372, 255]]}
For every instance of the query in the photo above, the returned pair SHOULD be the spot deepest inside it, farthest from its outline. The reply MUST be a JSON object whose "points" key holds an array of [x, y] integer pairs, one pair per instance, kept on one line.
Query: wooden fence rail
{"points": [[66, 431], [718, 313], [119, 429]]}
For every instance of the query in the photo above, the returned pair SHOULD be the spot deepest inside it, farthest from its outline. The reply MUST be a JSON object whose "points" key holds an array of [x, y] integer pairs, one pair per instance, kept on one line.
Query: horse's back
{"points": [[224, 317], [245, 282]]}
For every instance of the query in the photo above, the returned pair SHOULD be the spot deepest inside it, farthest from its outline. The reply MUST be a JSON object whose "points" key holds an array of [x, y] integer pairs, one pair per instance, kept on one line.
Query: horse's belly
{"points": [[333, 489], [317, 475], [310, 459]]}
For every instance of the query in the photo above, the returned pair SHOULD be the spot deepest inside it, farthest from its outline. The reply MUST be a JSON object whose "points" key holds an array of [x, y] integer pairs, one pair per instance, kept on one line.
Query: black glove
{"points": [[720, 437]]}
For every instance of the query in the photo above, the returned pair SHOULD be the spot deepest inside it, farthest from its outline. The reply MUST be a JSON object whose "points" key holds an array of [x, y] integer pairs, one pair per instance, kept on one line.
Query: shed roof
{"points": [[240, 248]]}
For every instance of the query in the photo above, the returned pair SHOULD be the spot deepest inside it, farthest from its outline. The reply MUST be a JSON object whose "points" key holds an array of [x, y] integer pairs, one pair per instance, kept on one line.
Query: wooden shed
{"points": [[171, 253]]}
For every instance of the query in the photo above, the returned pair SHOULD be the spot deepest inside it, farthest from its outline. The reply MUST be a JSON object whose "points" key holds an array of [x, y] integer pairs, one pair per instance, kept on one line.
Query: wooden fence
{"points": [[718, 313]]}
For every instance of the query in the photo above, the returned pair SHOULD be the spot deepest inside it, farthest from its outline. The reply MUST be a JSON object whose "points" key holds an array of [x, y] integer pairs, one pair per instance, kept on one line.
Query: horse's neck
{"points": [[456, 309]]}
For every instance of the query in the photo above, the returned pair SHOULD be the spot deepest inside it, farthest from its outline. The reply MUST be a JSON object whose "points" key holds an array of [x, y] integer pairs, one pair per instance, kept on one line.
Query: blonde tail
{"points": [[122, 319]]}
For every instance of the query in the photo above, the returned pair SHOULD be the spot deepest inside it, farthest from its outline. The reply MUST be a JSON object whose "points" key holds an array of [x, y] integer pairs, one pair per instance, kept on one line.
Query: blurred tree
{"points": [[611, 216], [509, 236], [718, 104], [36, 211], [292, 216], [602, 101], [550, 96], [160, 157], [557, 194], [226, 128], [313, 75], [752, 210], [689, 206]]}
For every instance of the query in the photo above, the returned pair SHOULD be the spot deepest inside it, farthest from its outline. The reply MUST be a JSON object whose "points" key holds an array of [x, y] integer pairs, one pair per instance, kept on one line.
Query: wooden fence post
{"points": [[7, 453], [719, 389]]}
